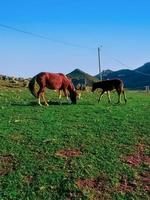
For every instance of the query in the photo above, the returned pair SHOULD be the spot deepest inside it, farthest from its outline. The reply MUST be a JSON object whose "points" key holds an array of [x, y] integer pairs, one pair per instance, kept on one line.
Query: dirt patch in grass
{"points": [[141, 182], [144, 180], [87, 183], [66, 153], [7, 164], [98, 188], [100, 183], [125, 185], [138, 157]]}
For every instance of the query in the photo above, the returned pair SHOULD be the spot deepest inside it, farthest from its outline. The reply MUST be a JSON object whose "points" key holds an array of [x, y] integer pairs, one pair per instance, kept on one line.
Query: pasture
{"points": [[84, 151]]}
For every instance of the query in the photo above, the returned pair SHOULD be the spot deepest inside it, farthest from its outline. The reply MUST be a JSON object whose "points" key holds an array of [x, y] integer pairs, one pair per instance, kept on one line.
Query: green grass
{"points": [[103, 132]]}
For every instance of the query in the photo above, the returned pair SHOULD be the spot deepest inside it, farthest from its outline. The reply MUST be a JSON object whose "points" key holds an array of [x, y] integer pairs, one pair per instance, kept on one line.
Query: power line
{"points": [[45, 37], [125, 65], [64, 43]]}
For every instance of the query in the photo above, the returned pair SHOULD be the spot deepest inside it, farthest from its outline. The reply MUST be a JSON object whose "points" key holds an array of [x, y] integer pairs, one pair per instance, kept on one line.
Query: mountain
{"points": [[79, 74], [104, 73], [134, 79]]}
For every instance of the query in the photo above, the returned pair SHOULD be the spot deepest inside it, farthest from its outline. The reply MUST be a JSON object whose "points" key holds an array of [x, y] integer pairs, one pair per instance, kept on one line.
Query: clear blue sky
{"points": [[121, 26]]}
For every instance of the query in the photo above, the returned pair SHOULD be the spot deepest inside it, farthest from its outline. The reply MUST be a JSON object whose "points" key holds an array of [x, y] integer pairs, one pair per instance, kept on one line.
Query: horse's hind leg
{"points": [[39, 101], [44, 99], [108, 94], [119, 95], [125, 98], [39, 94]]}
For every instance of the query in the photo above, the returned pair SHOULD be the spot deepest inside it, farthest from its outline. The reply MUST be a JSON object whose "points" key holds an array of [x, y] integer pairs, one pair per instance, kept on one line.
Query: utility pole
{"points": [[99, 62]]}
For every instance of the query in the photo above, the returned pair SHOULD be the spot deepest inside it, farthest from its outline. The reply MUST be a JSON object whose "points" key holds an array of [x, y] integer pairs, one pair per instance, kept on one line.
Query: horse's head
{"points": [[73, 96], [72, 91]]}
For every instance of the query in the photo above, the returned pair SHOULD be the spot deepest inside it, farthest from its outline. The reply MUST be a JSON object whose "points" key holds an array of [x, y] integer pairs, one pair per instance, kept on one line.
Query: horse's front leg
{"points": [[108, 94], [66, 94], [59, 92], [60, 96]]}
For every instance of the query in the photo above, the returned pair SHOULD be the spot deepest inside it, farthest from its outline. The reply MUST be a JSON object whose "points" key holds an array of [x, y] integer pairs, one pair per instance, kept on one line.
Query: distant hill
{"points": [[79, 74], [134, 79], [105, 73], [7, 81]]}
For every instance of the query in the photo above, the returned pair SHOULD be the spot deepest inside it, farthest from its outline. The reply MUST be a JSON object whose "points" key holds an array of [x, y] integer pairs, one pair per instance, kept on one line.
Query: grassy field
{"points": [[84, 151]]}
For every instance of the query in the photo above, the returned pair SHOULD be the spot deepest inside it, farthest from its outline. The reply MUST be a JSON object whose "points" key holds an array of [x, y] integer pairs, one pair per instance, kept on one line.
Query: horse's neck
{"points": [[71, 88]]}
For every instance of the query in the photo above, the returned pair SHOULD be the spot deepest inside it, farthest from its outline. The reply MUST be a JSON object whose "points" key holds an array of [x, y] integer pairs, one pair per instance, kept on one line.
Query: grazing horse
{"points": [[109, 85], [53, 81]]}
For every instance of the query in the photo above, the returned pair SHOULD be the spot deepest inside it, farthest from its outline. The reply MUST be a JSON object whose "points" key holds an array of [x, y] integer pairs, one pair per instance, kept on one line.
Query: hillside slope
{"points": [[79, 74]]}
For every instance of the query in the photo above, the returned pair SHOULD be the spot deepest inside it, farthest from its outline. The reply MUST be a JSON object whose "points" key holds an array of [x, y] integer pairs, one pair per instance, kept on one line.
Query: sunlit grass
{"points": [[103, 132]]}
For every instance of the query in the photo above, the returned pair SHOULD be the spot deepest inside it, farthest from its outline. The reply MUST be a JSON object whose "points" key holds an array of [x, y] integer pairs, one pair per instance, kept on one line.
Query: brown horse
{"points": [[109, 85], [53, 81]]}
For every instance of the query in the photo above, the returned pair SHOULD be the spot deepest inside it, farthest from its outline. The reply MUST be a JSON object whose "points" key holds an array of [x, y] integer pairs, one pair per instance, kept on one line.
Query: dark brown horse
{"points": [[53, 81], [109, 85]]}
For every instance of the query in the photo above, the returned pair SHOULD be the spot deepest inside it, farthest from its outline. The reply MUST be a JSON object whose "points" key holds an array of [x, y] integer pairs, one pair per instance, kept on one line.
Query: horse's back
{"points": [[50, 80], [54, 81], [108, 85], [116, 84]]}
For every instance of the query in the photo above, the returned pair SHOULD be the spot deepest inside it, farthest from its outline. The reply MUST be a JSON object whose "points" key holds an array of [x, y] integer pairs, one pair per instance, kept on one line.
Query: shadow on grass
{"points": [[64, 103], [119, 104], [24, 104], [34, 103], [59, 103]]}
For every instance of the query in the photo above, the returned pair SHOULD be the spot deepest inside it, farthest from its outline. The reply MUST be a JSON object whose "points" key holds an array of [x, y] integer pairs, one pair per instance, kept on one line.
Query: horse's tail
{"points": [[32, 86]]}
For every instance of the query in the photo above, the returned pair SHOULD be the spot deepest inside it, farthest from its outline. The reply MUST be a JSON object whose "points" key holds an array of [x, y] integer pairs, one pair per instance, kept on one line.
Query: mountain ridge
{"points": [[134, 79]]}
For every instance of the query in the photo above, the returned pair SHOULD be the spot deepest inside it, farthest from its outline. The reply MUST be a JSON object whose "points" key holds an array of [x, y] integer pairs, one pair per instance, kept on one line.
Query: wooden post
{"points": [[99, 63]]}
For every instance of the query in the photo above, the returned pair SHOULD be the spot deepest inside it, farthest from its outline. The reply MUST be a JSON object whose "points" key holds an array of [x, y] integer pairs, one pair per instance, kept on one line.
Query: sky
{"points": [[72, 31]]}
